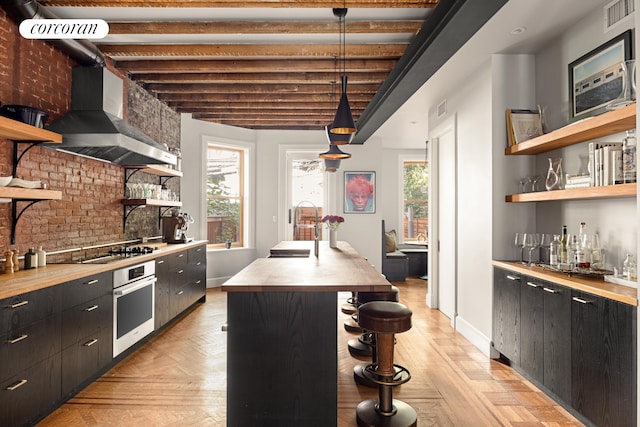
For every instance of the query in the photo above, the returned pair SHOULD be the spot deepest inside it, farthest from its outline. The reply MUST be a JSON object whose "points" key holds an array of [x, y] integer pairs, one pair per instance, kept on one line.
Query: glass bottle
{"points": [[597, 255], [554, 250], [629, 157], [562, 255], [583, 248], [629, 270], [572, 250], [30, 259]]}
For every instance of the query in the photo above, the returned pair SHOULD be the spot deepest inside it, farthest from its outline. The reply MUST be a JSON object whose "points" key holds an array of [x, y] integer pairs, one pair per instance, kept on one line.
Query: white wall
{"points": [[362, 231]]}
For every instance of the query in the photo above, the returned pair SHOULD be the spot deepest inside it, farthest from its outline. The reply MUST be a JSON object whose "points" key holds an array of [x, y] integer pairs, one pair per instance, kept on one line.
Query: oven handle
{"points": [[134, 287]]}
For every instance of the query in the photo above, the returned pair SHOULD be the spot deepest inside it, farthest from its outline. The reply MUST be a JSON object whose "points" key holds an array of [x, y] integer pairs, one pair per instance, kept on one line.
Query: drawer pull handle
{"points": [[180, 271], [180, 255], [93, 307], [180, 292], [551, 291], [580, 300], [198, 282], [92, 282], [533, 285], [19, 304], [160, 261], [510, 277], [198, 263], [17, 385], [90, 343], [17, 340]]}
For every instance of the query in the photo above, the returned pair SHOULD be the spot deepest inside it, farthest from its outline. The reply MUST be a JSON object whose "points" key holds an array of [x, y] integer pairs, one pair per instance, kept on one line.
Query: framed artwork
{"points": [[595, 79], [359, 192]]}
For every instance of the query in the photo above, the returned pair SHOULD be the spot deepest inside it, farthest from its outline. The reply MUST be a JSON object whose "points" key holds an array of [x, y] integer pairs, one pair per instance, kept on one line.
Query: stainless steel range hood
{"points": [[94, 126]]}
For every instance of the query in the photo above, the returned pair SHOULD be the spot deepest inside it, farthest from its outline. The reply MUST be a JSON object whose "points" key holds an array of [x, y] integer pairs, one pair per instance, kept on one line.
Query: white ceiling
{"points": [[544, 20]]}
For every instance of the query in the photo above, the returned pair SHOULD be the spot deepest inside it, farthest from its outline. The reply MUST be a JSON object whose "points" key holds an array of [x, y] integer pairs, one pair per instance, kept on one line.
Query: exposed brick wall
{"points": [[37, 74]]}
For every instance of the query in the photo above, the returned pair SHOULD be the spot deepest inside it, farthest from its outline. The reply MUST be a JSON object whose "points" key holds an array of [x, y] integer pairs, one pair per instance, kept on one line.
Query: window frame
{"points": [[243, 190], [403, 161]]}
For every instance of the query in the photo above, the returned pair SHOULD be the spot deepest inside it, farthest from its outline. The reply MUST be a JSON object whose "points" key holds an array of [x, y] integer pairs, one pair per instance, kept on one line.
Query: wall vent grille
{"points": [[442, 108], [616, 12]]}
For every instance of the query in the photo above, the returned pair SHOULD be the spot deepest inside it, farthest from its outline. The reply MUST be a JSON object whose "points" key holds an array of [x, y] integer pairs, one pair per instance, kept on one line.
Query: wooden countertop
{"points": [[594, 286], [54, 274], [335, 270]]}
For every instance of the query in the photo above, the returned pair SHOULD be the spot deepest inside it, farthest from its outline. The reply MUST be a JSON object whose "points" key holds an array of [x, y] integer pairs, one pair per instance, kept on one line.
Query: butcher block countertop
{"points": [[334, 270], [24, 281], [595, 286]]}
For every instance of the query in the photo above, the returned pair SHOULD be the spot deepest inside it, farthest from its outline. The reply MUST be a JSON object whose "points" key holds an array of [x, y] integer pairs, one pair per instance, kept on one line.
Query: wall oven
{"points": [[133, 304]]}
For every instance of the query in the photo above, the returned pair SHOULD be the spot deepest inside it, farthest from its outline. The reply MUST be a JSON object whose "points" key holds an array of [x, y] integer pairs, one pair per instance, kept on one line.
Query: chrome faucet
{"points": [[316, 229]]}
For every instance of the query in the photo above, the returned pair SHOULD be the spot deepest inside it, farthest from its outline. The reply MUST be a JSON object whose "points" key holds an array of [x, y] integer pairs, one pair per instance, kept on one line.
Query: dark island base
{"points": [[282, 359]]}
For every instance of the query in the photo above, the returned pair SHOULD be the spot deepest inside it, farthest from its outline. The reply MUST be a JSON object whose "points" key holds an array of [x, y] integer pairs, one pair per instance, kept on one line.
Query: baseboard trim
{"points": [[478, 339]]}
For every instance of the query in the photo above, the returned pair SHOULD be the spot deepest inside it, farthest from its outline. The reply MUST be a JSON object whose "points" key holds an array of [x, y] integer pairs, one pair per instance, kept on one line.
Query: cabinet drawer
{"points": [[197, 256], [31, 394], [81, 320], [25, 309], [85, 289], [85, 359], [24, 347]]}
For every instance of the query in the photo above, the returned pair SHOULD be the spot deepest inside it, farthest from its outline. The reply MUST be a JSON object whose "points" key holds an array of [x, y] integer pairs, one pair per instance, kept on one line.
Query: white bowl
{"points": [[5, 180]]}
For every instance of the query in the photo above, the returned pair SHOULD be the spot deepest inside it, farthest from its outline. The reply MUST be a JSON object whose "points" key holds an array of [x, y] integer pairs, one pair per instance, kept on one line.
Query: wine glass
{"points": [[545, 242], [531, 241], [519, 242]]}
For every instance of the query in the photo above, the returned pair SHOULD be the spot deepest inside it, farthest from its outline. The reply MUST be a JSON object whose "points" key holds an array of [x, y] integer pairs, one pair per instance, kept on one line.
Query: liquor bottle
{"points": [[629, 157], [562, 254], [572, 250], [583, 248], [554, 250], [30, 259]]}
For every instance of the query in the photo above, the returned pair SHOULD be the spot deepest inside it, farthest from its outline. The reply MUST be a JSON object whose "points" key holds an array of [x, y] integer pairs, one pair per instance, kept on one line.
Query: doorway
{"points": [[443, 210], [305, 195]]}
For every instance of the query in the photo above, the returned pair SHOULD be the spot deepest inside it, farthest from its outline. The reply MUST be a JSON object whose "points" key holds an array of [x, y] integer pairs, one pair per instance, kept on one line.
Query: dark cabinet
{"points": [[506, 314], [87, 330], [29, 355], [532, 312], [162, 290], [603, 360], [557, 340]]}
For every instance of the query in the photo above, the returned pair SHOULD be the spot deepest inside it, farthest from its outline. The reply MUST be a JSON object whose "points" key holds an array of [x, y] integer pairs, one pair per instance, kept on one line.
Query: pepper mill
{"points": [[16, 266], [8, 262]]}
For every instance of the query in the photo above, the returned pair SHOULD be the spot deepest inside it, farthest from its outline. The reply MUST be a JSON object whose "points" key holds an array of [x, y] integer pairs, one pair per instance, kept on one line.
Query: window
{"points": [[415, 202], [225, 196]]}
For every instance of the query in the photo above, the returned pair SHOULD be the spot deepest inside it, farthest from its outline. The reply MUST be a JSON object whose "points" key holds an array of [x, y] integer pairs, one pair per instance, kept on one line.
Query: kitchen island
{"points": [[282, 333]]}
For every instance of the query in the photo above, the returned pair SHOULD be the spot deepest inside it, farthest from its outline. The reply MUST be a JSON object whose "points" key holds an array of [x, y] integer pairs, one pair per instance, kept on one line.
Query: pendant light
{"points": [[334, 153], [343, 123], [331, 165]]}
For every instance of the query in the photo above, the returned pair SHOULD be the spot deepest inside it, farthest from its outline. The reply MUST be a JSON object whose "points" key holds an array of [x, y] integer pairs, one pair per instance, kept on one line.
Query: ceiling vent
{"points": [[616, 12]]}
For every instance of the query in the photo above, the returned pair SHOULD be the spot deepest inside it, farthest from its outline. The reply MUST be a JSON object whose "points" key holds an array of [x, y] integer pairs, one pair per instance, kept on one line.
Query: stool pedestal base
{"points": [[368, 416]]}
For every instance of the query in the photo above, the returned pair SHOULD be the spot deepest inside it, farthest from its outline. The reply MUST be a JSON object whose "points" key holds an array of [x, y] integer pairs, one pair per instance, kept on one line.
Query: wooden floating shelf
{"points": [[604, 192], [150, 202], [595, 127], [159, 170], [19, 193], [18, 131]]}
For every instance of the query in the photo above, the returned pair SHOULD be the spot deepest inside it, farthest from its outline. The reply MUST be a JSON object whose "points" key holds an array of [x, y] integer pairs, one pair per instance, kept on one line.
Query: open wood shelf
{"points": [[608, 191], [158, 170], [18, 193], [594, 127], [150, 202], [18, 131]]}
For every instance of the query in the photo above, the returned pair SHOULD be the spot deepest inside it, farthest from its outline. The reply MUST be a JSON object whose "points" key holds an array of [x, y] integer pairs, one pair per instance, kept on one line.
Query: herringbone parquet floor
{"points": [[179, 378]]}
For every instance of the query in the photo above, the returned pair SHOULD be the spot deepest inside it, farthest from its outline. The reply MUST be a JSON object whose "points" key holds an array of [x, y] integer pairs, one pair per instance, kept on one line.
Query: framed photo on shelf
{"points": [[359, 192], [595, 79]]}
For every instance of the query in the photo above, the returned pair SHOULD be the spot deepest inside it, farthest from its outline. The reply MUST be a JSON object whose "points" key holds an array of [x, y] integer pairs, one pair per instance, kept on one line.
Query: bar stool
{"points": [[363, 345], [385, 319], [349, 307]]}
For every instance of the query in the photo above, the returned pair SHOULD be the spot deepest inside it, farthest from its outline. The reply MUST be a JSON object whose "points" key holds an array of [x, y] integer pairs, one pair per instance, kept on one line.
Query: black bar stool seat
{"points": [[385, 319], [363, 345]]}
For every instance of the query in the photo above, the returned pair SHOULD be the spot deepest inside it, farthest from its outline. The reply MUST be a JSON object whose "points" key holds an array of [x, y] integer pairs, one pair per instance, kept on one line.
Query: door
{"points": [[305, 196], [443, 281]]}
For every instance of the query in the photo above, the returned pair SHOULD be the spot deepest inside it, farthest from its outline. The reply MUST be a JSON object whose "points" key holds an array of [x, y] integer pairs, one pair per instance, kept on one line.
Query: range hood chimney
{"points": [[94, 127]]}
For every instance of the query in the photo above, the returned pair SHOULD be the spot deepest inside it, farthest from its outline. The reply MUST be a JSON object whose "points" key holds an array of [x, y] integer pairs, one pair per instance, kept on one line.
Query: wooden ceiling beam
{"points": [[262, 78], [188, 106], [249, 51], [257, 97], [420, 4], [250, 88], [251, 65], [263, 27]]}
